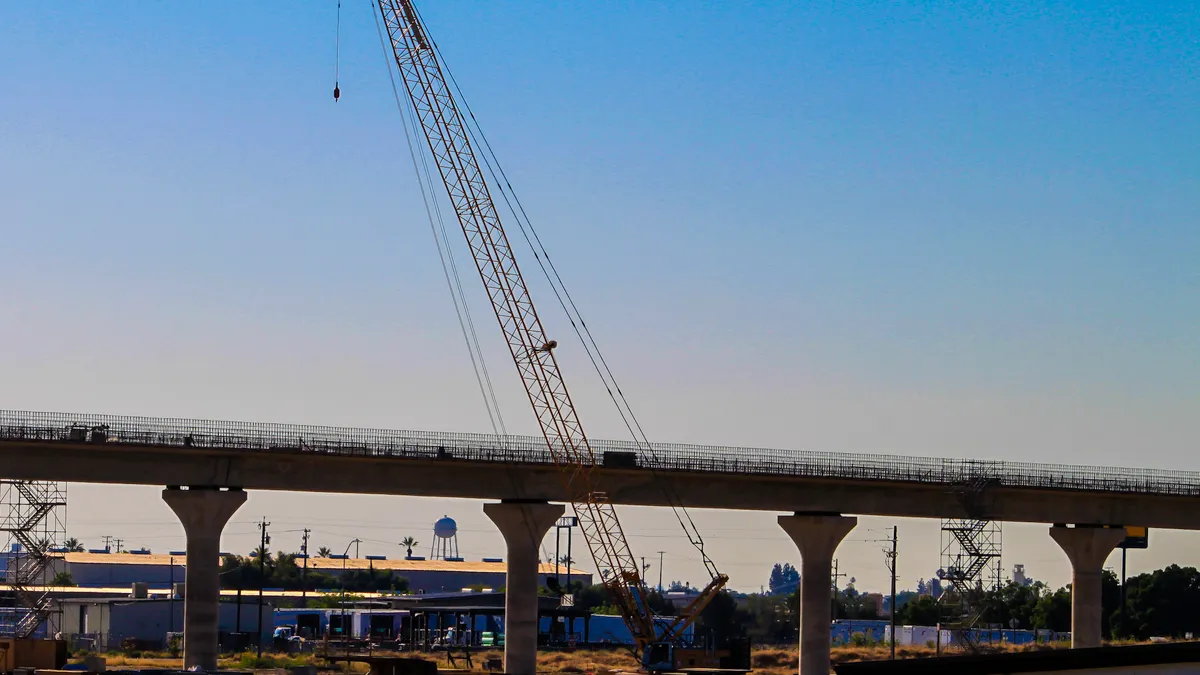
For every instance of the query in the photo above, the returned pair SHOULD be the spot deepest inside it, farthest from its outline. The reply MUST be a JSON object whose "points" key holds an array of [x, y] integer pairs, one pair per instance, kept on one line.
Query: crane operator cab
{"points": [[671, 657], [658, 657]]}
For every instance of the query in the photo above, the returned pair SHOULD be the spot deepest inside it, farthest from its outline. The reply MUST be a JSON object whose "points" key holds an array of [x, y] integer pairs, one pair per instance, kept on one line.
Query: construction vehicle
{"points": [[449, 138]]}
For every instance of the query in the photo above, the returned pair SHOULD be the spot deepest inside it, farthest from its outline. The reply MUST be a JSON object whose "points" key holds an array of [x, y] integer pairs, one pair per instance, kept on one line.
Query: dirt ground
{"points": [[765, 660]]}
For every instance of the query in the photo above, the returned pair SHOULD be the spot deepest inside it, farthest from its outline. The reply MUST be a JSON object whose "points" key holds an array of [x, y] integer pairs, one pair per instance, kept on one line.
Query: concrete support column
{"points": [[524, 525], [203, 512], [1087, 548], [817, 537]]}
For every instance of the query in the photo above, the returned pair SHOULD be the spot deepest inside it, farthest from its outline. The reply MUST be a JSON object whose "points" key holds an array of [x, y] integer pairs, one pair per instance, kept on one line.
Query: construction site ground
{"points": [[765, 661]]}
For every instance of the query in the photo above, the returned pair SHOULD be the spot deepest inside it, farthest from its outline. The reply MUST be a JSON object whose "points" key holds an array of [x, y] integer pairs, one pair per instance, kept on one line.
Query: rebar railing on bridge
{"points": [[299, 438]]}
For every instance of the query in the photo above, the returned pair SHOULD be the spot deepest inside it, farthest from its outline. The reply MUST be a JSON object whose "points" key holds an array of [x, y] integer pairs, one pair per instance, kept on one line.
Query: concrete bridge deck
{"points": [[252, 455]]}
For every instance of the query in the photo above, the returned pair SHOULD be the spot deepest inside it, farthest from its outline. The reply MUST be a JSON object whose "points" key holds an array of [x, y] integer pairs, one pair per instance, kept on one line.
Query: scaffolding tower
{"points": [[31, 516], [971, 555]]}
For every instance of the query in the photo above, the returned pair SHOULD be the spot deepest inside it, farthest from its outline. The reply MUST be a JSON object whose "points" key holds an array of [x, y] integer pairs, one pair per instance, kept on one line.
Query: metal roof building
{"points": [[424, 576]]}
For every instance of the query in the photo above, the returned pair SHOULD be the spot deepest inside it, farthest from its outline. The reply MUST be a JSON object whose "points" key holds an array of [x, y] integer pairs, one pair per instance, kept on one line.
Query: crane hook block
{"points": [[337, 93]]}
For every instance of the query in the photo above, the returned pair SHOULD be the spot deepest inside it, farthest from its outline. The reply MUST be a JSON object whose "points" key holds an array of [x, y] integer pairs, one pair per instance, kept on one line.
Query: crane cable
{"points": [[433, 212], [567, 302], [337, 54], [425, 179]]}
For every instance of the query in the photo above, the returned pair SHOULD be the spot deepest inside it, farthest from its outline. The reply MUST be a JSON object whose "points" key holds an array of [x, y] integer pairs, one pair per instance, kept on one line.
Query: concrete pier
{"points": [[524, 525], [817, 537], [203, 512], [1087, 548]]}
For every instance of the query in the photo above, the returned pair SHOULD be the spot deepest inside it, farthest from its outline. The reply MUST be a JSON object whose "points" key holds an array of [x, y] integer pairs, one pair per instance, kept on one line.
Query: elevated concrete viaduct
{"points": [[495, 480], [218, 460]]}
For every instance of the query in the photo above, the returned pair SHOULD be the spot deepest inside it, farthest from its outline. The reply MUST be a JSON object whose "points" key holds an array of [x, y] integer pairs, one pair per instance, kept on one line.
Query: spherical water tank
{"points": [[445, 528]]}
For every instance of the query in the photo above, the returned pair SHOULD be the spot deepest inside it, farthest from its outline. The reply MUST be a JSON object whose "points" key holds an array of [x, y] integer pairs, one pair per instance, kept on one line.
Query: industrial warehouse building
{"points": [[159, 571], [101, 624]]}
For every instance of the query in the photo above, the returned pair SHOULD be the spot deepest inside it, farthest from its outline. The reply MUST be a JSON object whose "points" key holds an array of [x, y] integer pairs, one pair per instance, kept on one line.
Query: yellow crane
{"points": [[533, 352]]}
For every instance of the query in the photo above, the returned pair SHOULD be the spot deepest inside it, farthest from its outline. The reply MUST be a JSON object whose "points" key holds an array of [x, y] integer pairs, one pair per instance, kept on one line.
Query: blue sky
{"points": [[958, 229]]}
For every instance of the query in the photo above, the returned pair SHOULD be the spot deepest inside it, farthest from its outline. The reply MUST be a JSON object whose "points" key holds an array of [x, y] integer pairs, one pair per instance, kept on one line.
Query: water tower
{"points": [[445, 540]]}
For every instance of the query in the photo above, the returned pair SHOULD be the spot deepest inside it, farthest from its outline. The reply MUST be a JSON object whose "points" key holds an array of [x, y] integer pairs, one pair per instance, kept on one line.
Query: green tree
{"points": [[784, 578], [373, 581], [721, 619], [1110, 601], [1053, 611], [332, 600], [848, 603], [922, 610], [1163, 603], [62, 579], [408, 543], [73, 545], [1011, 601], [773, 619], [594, 599], [324, 552], [262, 553]]}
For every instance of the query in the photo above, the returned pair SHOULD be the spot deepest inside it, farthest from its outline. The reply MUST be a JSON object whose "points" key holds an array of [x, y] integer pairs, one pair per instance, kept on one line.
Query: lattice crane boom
{"points": [[532, 351]]}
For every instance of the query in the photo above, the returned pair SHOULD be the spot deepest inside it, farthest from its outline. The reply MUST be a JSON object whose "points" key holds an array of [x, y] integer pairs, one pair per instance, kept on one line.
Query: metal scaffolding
{"points": [[31, 516], [971, 552]]}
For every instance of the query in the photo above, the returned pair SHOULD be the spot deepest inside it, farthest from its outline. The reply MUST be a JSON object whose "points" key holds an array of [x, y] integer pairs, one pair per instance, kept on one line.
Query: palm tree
{"points": [[73, 545], [324, 552], [262, 553], [408, 543]]}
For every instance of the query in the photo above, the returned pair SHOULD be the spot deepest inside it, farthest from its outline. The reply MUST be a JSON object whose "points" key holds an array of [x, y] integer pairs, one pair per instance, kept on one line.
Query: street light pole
{"points": [[345, 628], [304, 573]]}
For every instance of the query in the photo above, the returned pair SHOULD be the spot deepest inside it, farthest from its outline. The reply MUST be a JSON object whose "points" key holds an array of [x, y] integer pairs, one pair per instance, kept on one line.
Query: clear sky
{"points": [[957, 229]]}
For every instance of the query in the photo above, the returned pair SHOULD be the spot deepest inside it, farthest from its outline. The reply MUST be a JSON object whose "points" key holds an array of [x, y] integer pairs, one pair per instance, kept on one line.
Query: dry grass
{"points": [[764, 660], [587, 661], [274, 663]]}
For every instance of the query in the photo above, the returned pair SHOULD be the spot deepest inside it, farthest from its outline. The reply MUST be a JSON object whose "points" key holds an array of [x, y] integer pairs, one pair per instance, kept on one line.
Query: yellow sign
{"points": [[1136, 536]]}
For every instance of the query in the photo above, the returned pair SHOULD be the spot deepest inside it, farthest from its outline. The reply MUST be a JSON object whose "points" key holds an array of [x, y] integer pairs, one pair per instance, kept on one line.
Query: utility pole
{"points": [[834, 582], [557, 557], [570, 619], [119, 542], [262, 579], [171, 595], [660, 565], [891, 560], [108, 542], [1124, 550], [241, 576], [304, 573], [570, 559]]}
